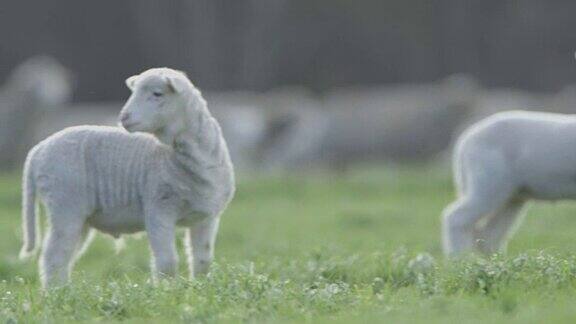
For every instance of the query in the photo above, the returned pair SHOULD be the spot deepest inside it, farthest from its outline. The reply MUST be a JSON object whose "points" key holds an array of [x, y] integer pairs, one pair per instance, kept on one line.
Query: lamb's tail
{"points": [[28, 208]]}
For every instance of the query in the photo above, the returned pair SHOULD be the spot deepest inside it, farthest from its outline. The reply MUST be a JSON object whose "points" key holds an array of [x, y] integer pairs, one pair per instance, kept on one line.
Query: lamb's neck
{"points": [[199, 145]]}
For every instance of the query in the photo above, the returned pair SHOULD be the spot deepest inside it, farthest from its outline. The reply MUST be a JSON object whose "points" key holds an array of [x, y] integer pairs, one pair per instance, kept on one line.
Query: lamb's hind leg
{"points": [[486, 185], [483, 197], [61, 244], [459, 220], [200, 240], [493, 236]]}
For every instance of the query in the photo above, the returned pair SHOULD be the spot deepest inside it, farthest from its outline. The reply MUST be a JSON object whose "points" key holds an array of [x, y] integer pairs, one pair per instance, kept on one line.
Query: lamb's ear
{"points": [[131, 81], [176, 84]]}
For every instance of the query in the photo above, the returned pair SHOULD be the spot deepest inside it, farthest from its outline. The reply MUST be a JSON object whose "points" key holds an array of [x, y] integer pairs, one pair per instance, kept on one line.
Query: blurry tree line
{"points": [[321, 44]]}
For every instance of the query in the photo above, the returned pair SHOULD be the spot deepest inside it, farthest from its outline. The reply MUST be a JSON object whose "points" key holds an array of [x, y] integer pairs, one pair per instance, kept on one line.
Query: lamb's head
{"points": [[161, 101]]}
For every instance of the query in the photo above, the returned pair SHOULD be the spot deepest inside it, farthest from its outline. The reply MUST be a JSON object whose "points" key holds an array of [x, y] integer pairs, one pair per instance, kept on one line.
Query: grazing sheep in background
{"points": [[243, 126], [38, 86], [499, 164], [358, 125], [84, 113], [253, 123], [105, 178]]}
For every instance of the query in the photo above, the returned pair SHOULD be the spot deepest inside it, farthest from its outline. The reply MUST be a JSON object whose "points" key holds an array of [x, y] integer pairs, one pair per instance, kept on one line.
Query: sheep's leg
{"points": [[493, 236], [461, 217], [161, 234], [488, 186], [200, 240], [458, 225], [60, 246]]}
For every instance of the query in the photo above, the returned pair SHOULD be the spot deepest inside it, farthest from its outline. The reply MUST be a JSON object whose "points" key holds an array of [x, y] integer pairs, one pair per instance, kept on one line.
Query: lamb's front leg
{"points": [[161, 232], [200, 240]]}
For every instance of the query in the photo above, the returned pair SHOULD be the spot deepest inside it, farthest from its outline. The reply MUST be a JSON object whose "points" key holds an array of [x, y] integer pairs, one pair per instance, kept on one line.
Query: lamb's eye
{"points": [[157, 94]]}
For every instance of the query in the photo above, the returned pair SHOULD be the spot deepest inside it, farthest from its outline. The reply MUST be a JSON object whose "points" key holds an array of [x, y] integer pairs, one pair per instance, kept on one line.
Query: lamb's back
{"points": [[105, 165]]}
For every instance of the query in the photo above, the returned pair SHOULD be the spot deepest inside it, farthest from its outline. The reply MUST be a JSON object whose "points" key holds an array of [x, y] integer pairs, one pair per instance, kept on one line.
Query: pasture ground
{"points": [[362, 246]]}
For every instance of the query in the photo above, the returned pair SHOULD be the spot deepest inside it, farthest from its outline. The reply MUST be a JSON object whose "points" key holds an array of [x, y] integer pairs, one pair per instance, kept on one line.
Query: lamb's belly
{"points": [[118, 220], [552, 188]]}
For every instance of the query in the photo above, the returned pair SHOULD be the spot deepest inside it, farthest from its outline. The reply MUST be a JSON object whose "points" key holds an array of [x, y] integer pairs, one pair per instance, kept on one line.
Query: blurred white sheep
{"points": [[499, 164], [37, 87], [399, 123], [243, 122], [116, 182]]}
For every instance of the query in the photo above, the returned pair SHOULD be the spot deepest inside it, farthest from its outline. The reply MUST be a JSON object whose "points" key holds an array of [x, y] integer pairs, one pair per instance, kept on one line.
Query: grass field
{"points": [[363, 246]]}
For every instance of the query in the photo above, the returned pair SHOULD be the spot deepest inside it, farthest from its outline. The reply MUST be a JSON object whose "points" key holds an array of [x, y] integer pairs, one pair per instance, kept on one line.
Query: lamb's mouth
{"points": [[129, 126]]}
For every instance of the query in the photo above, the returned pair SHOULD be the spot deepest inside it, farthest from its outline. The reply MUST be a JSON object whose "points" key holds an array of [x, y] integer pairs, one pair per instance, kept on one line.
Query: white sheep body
{"points": [[119, 182], [499, 164]]}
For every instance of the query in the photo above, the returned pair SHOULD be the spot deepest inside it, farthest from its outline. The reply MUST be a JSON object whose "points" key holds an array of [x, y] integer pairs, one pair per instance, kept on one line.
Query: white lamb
{"points": [[117, 182], [499, 164]]}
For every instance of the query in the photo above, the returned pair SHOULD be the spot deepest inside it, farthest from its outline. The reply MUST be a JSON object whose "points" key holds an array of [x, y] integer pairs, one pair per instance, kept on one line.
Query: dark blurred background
{"points": [[321, 44], [294, 84]]}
